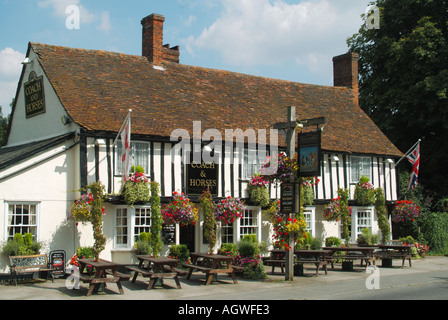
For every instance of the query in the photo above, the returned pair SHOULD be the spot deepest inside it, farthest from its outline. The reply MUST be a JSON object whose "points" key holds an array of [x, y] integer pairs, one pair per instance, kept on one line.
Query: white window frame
{"points": [[250, 169], [241, 224], [364, 167], [146, 166], [131, 224], [310, 218], [22, 203], [367, 223]]}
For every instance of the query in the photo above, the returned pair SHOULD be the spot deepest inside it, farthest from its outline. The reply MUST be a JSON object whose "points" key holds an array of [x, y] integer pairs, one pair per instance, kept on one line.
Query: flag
{"points": [[414, 159], [125, 135]]}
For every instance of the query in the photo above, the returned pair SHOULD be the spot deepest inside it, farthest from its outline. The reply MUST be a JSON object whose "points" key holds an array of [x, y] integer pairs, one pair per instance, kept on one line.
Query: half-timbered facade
{"points": [[71, 103]]}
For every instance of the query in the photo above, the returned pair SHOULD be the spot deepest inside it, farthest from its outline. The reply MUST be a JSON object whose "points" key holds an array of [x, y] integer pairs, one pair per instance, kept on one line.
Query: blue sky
{"points": [[284, 39]]}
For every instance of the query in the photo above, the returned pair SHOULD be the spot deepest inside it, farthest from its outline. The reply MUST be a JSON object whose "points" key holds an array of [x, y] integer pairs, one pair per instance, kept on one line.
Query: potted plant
{"points": [[228, 210], [21, 245], [364, 193], [258, 191], [180, 211], [81, 210]]}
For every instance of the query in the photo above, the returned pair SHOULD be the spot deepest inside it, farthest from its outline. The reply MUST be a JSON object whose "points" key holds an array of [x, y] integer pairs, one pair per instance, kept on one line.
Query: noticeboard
{"points": [[57, 262], [288, 197], [309, 155]]}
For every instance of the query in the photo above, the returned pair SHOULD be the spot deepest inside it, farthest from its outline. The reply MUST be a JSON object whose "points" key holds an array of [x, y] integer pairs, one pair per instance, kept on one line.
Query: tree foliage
{"points": [[404, 80]]}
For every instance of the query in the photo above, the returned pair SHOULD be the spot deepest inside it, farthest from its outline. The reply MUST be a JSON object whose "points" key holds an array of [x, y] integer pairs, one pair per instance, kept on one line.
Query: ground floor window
{"points": [[309, 214], [22, 218], [129, 223], [227, 233], [362, 218], [250, 223]]}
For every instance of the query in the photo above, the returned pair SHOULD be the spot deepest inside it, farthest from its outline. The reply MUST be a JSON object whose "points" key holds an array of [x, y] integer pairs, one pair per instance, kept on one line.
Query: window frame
{"points": [[146, 166], [356, 231], [257, 226], [37, 205], [368, 163], [131, 226]]}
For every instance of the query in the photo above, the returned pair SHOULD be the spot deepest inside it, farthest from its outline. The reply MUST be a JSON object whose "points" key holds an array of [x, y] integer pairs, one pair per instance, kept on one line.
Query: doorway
{"points": [[187, 236]]}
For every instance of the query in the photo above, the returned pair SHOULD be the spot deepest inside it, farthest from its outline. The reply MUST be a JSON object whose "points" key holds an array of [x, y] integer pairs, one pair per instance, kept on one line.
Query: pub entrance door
{"points": [[187, 236]]}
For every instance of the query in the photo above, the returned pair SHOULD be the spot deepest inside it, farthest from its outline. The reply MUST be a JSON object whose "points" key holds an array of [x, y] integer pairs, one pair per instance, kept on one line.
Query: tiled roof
{"points": [[97, 88]]}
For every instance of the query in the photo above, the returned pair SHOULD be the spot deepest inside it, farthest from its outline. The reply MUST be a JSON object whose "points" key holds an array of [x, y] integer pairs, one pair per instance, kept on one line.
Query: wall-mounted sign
{"points": [[34, 95], [202, 176], [309, 155]]}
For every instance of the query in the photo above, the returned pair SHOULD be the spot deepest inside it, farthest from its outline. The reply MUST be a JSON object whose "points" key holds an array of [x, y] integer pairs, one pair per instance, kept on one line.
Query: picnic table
{"points": [[156, 269], [105, 272], [211, 265], [365, 254], [316, 257], [389, 252]]}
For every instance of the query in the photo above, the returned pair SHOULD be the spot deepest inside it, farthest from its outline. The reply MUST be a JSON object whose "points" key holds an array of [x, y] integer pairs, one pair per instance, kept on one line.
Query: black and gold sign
{"points": [[34, 96], [202, 176]]}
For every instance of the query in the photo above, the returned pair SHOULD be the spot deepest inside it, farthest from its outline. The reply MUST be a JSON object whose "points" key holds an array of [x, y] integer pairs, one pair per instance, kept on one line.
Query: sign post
{"points": [[292, 202]]}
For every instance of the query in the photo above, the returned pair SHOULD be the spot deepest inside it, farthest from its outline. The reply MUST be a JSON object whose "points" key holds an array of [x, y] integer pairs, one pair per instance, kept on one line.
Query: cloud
{"points": [[86, 17], [10, 69], [272, 32]]}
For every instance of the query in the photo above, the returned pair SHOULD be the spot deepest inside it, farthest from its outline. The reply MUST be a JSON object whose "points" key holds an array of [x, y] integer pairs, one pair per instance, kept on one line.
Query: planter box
{"points": [[386, 263], [298, 270]]}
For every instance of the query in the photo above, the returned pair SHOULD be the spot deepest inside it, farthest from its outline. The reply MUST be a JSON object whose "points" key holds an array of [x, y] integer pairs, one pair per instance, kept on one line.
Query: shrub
{"points": [[179, 252], [367, 238], [21, 246], [228, 249], [248, 248], [434, 226], [142, 246], [364, 192], [332, 242]]}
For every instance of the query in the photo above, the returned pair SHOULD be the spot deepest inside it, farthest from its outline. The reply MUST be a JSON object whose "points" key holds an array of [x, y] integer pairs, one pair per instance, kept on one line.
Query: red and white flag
{"points": [[125, 135], [414, 158]]}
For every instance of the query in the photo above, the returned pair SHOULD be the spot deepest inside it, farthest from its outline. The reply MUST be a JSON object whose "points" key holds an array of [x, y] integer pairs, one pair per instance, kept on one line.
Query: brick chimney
{"points": [[152, 43], [345, 71]]}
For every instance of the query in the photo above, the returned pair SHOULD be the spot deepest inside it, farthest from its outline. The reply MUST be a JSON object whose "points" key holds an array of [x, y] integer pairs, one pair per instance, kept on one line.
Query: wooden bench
{"points": [[144, 272], [318, 264], [387, 258], [29, 264]]}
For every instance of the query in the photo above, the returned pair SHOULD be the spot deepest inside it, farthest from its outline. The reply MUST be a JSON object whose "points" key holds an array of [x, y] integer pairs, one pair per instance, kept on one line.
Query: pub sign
{"points": [[202, 175], [309, 155], [34, 96]]}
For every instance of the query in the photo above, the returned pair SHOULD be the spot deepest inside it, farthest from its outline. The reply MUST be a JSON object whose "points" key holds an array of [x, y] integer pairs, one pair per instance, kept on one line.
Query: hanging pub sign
{"points": [[309, 155], [202, 176], [288, 194], [34, 95]]}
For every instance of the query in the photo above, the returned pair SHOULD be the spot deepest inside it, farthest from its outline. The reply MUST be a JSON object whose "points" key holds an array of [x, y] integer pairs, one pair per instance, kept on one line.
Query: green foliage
{"points": [[21, 246], [142, 246], [157, 221], [259, 195], [333, 242], [98, 190], [248, 248], [345, 214], [434, 227], [367, 238], [251, 237], [308, 195], [403, 67], [364, 193], [407, 240], [85, 253], [4, 122], [179, 252], [228, 249], [207, 205], [381, 211]]}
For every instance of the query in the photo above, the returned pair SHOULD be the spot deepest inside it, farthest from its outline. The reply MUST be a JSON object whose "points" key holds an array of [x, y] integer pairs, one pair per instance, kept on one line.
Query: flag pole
{"points": [[407, 152]]}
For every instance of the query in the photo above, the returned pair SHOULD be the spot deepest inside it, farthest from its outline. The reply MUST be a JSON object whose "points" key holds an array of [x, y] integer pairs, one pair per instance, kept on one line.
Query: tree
{"points": [[404, 80], [4, 121]]}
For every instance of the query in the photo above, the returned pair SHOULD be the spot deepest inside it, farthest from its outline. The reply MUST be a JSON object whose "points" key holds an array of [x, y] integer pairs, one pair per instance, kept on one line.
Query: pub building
{"points": [[71, 103]]}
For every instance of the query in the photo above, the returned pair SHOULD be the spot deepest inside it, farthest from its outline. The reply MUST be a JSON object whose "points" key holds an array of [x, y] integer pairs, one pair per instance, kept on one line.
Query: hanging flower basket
{"points": [[258, 191], [405, 210], [136, 189], [333, 210], [228, 210], [281, 168], [364, 193], [81, 210], [180, 210]]}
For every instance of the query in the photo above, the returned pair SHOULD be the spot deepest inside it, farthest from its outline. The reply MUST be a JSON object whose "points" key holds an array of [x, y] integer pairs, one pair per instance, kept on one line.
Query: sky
{"points": [[284, 39]]}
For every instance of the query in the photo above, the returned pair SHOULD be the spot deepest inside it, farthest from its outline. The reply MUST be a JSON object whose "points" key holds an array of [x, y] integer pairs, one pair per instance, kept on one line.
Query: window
{"points": [[251, 164], [309, 214], [129, 223], [249, 223], [139, 156], [121, 227], [142, 221], [360, 166], [362, 218], [22, 218], [227, 233]]}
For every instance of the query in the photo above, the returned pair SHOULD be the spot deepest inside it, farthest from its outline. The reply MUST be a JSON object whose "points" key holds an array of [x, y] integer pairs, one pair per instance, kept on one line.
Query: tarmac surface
{"points": [[337, 284]]}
